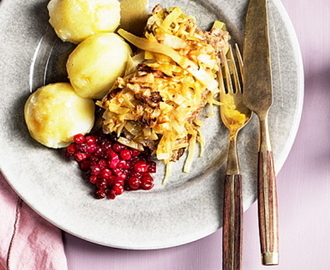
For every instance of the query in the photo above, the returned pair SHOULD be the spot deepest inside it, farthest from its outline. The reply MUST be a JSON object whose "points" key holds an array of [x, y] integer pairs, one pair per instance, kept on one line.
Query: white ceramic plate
{"points": [[189, 206]]}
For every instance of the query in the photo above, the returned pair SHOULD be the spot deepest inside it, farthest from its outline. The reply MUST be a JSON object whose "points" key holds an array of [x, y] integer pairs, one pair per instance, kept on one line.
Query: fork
{"points": [[234, 115]]}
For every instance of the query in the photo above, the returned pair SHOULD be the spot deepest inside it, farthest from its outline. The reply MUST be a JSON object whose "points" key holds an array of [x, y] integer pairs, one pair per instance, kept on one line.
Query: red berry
{"points": [[91, 139], [98, 152], [105, 174], [111, 154], [125, 154], [118, 189], [85, 165], [91, 148], [79, 138], [111, 180], [134, 182], [117, 147], [82, 147], [103, 163], [118, 180], [117, 171], [111, 194], [141, 166], [80, 157], [147, 185], [151, 166], [106, 145], [121, 176], [100, 193], [101, 184], [93, 179], [135, 152], [136, 174], [114, 162], [70, 150], [126, 164], [95, 170], [147, 182]]}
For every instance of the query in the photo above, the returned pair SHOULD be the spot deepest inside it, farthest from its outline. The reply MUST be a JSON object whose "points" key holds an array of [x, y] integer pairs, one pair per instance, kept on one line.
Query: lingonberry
{"points": [[91, 139], [110, 166], [85, 165], [141, 166], [105, 174], [111, 180], [93, 179], [113, 162], [147, 185], [121, 176], [70, 150], [118, 189], [82, 147], [117, 147], [91, 148], [101, 184], [111, 154], [111, 194], [135, 152], [134, 182], [100, 193], [118, 180], [95, 170], [79, 138], [125, 154], [79, 157], [103, 163], [147, 182], [151, 166]]}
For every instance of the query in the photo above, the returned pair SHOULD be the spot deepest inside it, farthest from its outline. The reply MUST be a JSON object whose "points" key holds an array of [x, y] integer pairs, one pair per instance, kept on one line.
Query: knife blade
{"points": [[258, 96]]}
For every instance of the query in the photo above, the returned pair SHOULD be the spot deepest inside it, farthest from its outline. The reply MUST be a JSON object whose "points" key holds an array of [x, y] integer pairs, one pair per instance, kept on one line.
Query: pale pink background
{"points": [[303, 182]]}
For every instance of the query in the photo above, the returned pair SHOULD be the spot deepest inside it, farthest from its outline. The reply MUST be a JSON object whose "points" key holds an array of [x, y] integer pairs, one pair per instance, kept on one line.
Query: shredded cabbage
{"points": [[157, 105]]}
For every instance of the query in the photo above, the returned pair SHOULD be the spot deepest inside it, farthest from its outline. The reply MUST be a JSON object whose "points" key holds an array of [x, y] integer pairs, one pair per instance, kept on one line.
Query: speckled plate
{"points": [[189, 206]]}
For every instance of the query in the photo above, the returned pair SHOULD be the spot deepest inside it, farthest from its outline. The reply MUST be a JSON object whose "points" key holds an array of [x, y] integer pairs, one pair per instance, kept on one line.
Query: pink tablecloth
{"points": [[303, 182]]}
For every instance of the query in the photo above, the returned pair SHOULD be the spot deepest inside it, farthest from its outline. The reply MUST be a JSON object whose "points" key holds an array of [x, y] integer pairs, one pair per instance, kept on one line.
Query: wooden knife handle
{"points": [[268, 209], [232, 223]]}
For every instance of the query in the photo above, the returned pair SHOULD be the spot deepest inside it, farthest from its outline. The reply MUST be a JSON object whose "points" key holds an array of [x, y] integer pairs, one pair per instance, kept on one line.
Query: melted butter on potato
{"points": [[55, 113], [75, 20], [94, 64]]}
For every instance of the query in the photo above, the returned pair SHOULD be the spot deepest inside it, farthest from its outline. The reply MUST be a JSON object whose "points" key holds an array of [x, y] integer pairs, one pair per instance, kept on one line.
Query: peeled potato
{"points": [[94, 64], [75, 20], [55, 113]]}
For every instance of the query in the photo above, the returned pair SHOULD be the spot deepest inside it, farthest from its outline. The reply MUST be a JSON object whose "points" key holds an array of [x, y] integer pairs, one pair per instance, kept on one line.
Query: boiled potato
{"points": [[55, 113], [75, 20], [94, 64]]}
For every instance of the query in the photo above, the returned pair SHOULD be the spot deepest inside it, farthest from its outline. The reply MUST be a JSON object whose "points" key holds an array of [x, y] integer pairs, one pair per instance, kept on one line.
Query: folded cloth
{"points": [[27, 241]]}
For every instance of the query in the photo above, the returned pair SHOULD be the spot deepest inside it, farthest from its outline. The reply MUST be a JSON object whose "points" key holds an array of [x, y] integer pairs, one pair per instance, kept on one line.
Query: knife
{"points": [[257, 95]]}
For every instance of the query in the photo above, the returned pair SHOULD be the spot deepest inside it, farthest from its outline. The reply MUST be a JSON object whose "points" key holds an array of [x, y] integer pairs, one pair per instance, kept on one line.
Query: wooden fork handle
{"points": [[232, 223], [267, 209]]}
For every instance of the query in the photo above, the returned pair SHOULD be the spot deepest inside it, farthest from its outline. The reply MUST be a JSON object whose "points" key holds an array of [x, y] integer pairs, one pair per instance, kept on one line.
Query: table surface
{"points": [[303, 182]]}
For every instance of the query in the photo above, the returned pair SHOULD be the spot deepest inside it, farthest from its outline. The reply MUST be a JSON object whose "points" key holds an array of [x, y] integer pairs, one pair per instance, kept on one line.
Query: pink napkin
{"points": [[27, 241]]}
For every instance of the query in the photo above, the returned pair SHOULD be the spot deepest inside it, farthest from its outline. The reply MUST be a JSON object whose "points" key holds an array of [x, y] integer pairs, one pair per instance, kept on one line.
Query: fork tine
{"points": [[240, 63], [231, 76], [226, 72], [236, 73]]}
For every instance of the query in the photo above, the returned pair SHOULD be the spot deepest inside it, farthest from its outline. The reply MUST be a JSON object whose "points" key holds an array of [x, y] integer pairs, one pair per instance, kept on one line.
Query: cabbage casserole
{"points": [[169, 80]]}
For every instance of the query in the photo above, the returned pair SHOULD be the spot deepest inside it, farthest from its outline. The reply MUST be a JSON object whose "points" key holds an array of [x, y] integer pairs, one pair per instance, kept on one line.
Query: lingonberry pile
{"points": [[111, 166]]}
